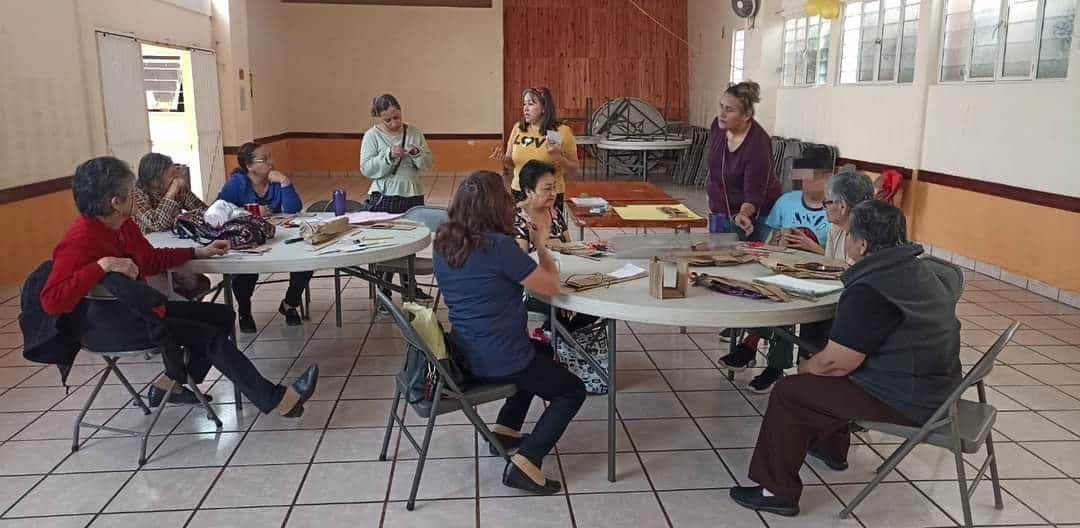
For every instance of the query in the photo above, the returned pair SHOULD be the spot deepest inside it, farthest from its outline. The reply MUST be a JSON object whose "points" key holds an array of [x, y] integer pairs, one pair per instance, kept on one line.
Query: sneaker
{"points": [[763, 383], [753, 497], [247, 324], [292, 317], [742, 358]]}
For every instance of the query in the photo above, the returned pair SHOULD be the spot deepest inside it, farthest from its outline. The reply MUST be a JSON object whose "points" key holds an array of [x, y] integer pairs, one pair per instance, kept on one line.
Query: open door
{"points": [[208, 124], [127, 129]]}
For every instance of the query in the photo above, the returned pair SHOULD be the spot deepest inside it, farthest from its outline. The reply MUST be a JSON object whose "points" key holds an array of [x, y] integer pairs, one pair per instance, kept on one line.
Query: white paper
{"points": [[802, 286], [593, 201], [554, 137], [368, 217], [628, 270]]}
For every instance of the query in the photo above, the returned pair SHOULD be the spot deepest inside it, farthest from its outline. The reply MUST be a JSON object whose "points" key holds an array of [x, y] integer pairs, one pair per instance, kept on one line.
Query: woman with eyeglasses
{"points": [[255, 181], [539, 136], [483, 275], [742, 184]]}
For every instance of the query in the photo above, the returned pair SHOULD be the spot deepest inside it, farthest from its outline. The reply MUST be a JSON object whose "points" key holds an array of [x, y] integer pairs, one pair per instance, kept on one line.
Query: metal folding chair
{"points": [[448, 396], [959, 425]]}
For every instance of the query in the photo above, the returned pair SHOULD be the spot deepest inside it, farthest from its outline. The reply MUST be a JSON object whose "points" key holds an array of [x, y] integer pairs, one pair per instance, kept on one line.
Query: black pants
{"points": [[547, 379], [203, 329], [243, 287], [810, 411]]}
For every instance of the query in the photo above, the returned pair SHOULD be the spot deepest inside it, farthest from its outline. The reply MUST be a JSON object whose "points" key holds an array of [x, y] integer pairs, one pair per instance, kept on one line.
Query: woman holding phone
{"points": [[393, 154], [539, 136]]}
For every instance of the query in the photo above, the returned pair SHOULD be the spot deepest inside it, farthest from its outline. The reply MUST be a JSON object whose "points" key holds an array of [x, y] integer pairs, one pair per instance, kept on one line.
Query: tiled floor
{"points": [[685, 435]]}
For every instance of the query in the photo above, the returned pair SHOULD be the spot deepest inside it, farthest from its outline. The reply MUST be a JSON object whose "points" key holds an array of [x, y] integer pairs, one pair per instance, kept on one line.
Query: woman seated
{"points": [[162, 193], [256, 182], [105, 239], [483, 274], [537, 180]]}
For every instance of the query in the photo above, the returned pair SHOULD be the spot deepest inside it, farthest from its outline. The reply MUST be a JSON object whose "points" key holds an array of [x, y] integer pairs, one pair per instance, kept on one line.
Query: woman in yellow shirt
{"points": [[540, 136]]}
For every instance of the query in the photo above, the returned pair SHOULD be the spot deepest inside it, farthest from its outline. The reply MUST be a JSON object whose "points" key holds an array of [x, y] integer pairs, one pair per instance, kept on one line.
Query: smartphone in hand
{"points": [[554, 137]]}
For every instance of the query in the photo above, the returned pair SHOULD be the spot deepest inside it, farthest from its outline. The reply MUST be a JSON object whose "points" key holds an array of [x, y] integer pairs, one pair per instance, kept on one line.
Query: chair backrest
{"points": [[977, 373], [326, 206], [950, 275], [432, 217], [414, 339]]}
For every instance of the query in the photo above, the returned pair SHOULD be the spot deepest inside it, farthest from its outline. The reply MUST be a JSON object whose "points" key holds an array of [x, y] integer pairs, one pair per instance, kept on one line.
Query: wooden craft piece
{"points": [[656, 278], [321, 232]]}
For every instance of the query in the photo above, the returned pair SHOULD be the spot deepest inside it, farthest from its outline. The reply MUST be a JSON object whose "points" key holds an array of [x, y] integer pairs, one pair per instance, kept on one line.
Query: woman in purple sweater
{"points": [[742, 184]]}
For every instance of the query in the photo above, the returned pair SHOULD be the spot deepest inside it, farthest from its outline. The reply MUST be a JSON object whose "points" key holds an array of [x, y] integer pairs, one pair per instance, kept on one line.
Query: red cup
{"points": [[252, 208]]}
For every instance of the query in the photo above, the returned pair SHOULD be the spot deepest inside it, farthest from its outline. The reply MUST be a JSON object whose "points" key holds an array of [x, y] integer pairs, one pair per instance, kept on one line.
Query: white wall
{"points": [[270, 71], [1023, 134]]}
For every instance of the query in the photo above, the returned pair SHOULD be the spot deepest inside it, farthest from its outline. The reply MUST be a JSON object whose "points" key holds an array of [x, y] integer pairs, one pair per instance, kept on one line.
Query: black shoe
{"points": [[292, 317], [247, 324], [156, 394], [305, 387], [753, 498], [835, 465], [508, 443], [763, 383], [741, 359], [515, 478]]}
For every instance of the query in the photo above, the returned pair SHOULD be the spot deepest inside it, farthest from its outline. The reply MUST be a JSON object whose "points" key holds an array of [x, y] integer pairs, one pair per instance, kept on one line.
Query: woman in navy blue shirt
{"points": [[256, 182], [483, 274]]}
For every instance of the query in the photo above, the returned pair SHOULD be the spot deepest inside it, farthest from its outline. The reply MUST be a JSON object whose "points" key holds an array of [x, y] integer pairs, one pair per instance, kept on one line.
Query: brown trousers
{"points": [[810, 411]]}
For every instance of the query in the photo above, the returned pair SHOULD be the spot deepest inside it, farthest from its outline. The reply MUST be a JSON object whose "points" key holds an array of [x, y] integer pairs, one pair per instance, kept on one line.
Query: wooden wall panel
{"points": [[598, 49]]}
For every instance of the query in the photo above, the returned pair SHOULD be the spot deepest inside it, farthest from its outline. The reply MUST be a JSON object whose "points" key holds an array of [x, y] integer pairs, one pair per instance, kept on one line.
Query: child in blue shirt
{"points": [[256, 182]]}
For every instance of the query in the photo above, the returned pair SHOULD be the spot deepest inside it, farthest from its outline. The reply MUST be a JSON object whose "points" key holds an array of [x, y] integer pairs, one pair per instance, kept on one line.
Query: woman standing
{"points": [[256, 182], [483, 274], [742, 184], [393, 154], [540, 136], [162, 193]]}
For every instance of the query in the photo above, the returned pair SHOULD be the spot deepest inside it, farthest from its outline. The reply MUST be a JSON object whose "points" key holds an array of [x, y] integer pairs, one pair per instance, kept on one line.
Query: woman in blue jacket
{"points": [[256, 182]]}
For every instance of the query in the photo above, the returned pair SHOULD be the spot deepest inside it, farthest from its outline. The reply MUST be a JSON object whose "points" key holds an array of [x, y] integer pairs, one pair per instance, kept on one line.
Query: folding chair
{"points": [[447, 397], [432, 218], [959, 425], [111, 358]]}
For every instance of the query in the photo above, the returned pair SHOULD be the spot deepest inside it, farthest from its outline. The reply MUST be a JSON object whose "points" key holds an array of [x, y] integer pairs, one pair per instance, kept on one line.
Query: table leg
{"points": [[227, 295], [644, 165], [410, 290], [337, 296], [611, 334]]}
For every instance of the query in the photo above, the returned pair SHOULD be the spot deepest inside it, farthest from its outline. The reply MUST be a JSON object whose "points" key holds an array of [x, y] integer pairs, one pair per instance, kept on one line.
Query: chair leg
{"points": [[127, 385], [994, 471], [882, 472], [961, 476], [86, 406], [337, 297], [390, 424], [307, 303], [424, 447], [210, 413], [157, 416], [371, 293]]}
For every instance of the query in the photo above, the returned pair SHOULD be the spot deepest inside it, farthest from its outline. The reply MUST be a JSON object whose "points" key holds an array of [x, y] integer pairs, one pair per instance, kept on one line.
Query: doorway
{"points": [[170, 107]]}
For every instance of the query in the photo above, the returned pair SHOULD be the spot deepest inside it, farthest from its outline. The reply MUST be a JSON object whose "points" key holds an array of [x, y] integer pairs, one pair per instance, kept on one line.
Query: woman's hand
{"points": [[176, 186], [124, 266], [798, 240], [539, 228], [213, 249], [265, 211], [279, 177], [396, 152], [497, 153], [413, 150], [745, 223]]}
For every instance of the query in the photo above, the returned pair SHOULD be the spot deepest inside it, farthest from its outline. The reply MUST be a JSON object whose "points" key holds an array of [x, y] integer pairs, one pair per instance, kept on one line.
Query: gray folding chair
{"points": [[959, 425], [100, 294], [447, 397], [432, 218]]}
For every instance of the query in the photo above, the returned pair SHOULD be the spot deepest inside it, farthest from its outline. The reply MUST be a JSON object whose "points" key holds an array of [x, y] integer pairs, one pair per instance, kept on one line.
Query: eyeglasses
{"points": [[827, 203], [261, 160]]}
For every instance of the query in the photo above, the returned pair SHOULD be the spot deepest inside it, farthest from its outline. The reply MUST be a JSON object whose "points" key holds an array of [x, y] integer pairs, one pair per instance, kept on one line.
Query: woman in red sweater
{"points": [[105, 239]]}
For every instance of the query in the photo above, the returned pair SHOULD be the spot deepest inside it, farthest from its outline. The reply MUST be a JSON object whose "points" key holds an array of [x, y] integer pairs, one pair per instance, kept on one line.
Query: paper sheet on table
{"points": [[367, 217], [802, 286], [655, 212], [628, 270], [593, 201]]}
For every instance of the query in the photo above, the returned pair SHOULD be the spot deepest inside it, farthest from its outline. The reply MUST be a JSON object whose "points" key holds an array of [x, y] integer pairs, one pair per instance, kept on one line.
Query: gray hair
{"points": [[98, 181], [881, 224], [851, 186]]}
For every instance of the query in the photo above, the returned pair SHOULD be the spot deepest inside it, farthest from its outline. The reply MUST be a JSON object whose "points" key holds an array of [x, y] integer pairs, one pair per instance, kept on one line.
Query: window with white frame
{"points": [[806, 51], [738, 51], [986, 40], [163, 83], [879, 41]]}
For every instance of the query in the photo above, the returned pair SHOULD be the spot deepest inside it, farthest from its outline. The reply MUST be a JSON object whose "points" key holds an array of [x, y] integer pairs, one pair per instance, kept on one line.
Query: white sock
{"points": [[766, 492]]}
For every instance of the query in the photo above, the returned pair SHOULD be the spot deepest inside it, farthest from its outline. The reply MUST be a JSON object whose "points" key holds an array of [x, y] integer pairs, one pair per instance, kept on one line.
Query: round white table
{"points": [[631, 301], [644, 147]]}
